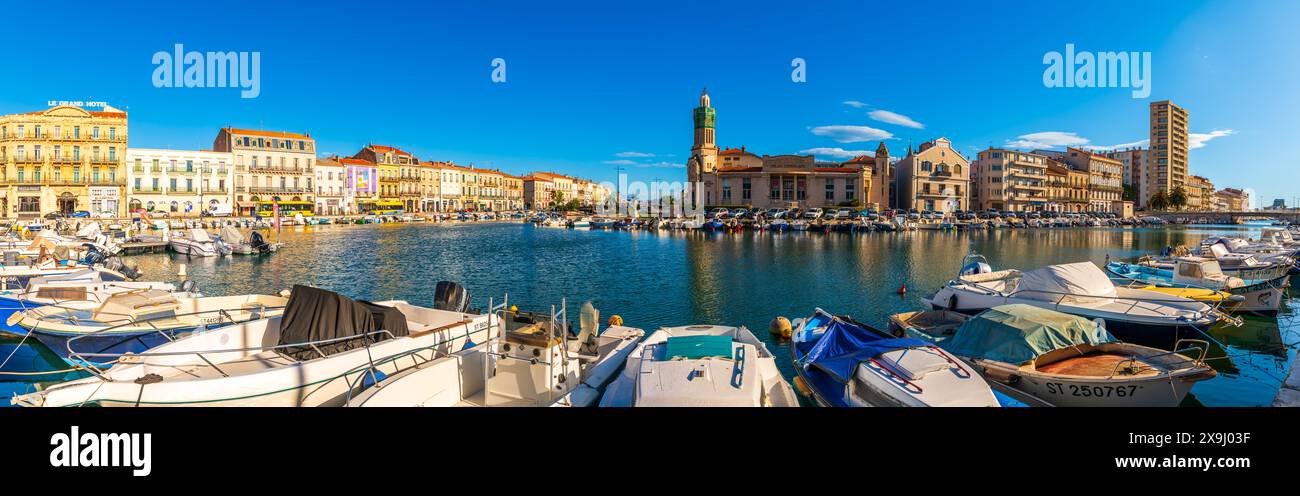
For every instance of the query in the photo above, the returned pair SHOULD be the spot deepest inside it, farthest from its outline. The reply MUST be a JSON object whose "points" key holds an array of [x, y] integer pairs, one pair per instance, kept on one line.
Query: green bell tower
{"points": [[704, 152]]}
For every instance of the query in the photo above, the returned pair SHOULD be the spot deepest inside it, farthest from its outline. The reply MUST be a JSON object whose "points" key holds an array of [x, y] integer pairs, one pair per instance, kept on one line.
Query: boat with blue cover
{"points": [[700, 365], [844, 363]]}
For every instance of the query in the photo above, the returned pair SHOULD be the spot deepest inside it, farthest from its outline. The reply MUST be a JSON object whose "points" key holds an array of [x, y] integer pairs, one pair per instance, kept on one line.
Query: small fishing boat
{"points": [[534, 361], [693, 222], [700, 365], [799, 225], [602, 223], [1195, 272], [1243, 265], [312, 355], [197, 243], [777, 225], [849, 364], [1080, 289], [1063, 359], [715, 224], [581, 223]]}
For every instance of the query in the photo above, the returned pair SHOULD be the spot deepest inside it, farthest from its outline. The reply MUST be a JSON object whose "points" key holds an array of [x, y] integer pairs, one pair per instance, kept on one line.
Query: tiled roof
{"points": [[355, 161], [270, 134]]}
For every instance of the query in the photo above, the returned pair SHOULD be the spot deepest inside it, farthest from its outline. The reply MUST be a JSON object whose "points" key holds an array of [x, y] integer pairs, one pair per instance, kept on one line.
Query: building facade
{"points": [[269, 165], [331, 188], [1235, 200], [1200, 193], [1105, 178], [1067, 188], [1010, 180], [396, 169], [63, 159], [179, 183], [934, 177], [1168, 164], [361, 181], [736, 177]]}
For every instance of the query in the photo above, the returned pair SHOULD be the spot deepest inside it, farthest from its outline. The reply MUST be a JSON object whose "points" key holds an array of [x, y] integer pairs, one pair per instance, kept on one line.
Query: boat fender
{"points": [[1013, 379], [952, 302], [615, 320], [780, 327]]}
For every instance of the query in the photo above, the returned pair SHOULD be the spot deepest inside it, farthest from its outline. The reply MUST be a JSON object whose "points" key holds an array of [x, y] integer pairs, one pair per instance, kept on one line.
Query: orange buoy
{"points": [[902, 289]]}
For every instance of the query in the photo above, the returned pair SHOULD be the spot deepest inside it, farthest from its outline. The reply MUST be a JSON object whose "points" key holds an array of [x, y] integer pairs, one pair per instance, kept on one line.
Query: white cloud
{"points": [[619, 162], [1048, 139], [894, 118], [1198, 140], [836, 152], [852, 134], [855, 104], [1121, 146], [633, 154], [663, 164]]}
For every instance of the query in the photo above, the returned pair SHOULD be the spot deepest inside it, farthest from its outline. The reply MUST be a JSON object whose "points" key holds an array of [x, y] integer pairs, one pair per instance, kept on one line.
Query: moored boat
{"points": [[700, 365], [1066, 360], [1262, 296], [846, 364]]}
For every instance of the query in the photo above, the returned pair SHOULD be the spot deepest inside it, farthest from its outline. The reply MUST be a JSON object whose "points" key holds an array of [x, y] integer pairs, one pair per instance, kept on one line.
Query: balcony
{"points": [[104, 160], [288, 169], [46, 180], [278, 190], [148, 189], [180, 170]]}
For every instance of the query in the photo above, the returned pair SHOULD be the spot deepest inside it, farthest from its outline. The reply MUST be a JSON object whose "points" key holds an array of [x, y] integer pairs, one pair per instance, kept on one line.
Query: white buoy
{"points": [[182, 272]]}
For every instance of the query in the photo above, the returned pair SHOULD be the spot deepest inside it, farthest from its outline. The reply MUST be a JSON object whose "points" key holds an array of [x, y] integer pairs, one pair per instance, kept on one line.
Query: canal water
{"points": [[666, 278]]}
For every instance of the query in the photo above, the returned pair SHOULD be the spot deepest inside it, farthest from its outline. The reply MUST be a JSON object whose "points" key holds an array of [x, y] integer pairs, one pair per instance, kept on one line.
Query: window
{"points": [[744, 189], [926, 166], [849, 192], [726, 190], [830, 190]]}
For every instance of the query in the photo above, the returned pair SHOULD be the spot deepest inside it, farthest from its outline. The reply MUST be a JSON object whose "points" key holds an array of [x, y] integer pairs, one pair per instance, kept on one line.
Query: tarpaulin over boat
{"points": [[231, 235], [1080, 282], [1020, 333], [844, 345], [314, 314]]}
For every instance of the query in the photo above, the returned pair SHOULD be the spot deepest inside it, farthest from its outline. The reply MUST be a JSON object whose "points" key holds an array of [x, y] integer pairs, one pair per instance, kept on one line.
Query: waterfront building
{"points": [[1200, 193], [390, 162], [881, 193], [537, 192], [409, 185], [736, 177], [514, 192], [63, 159], [491, 190], [331, 188], [360, 182], [1167, 166], [181, 183], [1009, 180], [269, 165], [429, 187], [934, 177], [1105, 178], [1236, 200], [450, 195], [1134, 160], [562, 187], [1067, 188]]}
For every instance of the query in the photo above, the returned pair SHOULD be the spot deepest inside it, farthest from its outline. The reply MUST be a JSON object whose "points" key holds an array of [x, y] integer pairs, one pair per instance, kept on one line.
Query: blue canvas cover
{"points": [[1017, 334], [696, 347], [844, 345]]}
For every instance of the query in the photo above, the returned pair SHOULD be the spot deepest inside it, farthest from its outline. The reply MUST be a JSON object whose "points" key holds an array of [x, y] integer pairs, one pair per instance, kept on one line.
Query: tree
{"points": [[1178, 198], [1159, 201]]}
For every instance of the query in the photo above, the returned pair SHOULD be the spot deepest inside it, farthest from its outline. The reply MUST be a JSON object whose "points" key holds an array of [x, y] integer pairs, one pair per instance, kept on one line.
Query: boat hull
{"points": [[1160, 391]]}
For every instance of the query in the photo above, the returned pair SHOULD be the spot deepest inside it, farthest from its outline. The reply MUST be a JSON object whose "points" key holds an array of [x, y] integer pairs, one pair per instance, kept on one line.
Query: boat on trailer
{"points": [[700, 365], [1063, 359], [844, 363], [533, 361]]}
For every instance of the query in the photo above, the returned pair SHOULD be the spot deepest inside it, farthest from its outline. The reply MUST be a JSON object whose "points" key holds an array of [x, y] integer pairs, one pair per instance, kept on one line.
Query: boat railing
{"points": [[1129, 363], [224, 318]]}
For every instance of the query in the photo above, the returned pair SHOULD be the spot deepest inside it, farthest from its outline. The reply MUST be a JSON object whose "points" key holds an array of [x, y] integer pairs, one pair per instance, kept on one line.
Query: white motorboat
{"points": [[197, 243], [1063, 359], [313, 355], [700, 365], [843, 363], [1081, 289], [252, 245], [694, 222], [534, 362]]}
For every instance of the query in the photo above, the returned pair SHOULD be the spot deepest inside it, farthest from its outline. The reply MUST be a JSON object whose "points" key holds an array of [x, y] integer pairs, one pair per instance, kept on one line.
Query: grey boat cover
{"points": [[231, 235], [1019, 333], [1080, 282], [314, 314]]}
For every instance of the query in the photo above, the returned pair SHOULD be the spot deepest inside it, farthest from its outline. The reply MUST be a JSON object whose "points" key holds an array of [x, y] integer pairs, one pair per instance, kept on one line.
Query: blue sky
{"points": [[586, 82]]}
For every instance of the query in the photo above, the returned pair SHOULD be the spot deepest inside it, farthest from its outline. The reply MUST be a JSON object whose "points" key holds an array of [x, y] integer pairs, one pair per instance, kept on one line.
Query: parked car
{"points": [[80, 214]]}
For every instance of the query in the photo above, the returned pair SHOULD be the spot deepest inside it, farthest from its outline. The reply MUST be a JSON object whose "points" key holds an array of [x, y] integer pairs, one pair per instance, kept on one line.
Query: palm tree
{"points": [[1178, 198], [1159, 201]]}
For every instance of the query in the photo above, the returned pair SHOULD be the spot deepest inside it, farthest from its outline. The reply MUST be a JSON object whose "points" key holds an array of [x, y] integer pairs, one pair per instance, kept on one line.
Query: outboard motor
{"points": [[451, 297], [189, 286], [256, 241], [975, 268], [93, 255], [116, 264]]}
